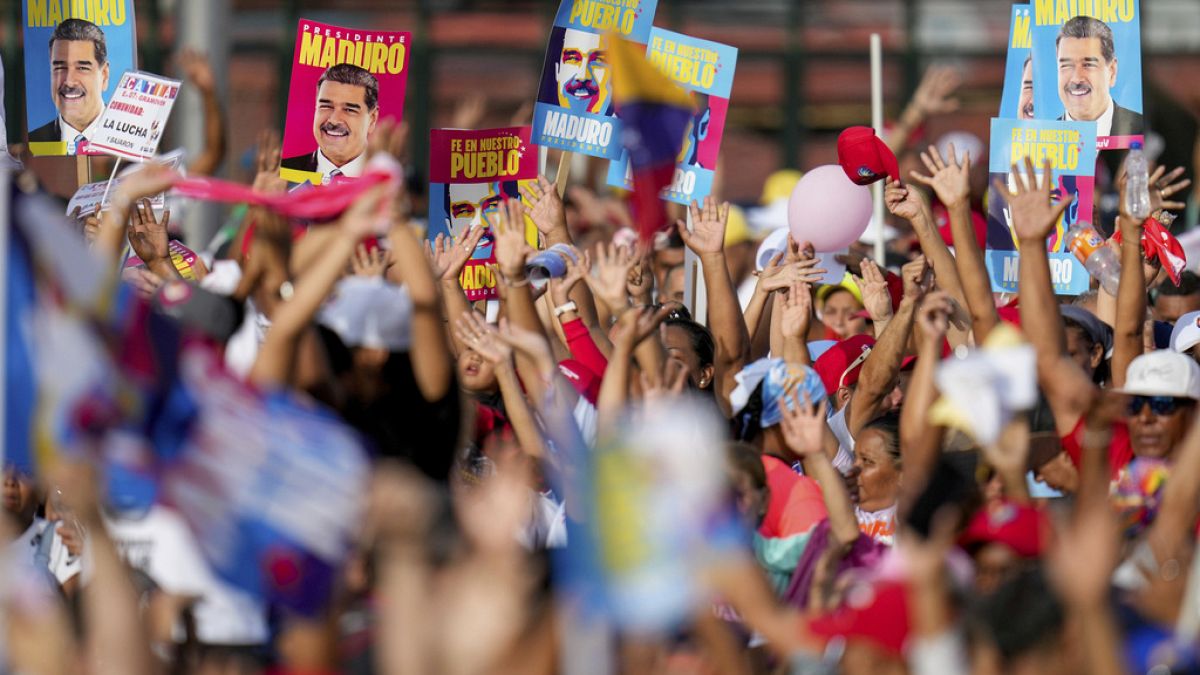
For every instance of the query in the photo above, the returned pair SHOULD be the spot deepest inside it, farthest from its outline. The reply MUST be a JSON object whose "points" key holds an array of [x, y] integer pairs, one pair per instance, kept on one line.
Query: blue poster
{"points": [[1071, 150], [1087, 66], [574, 109], [1016, 102], [706, 69], [75, 53]]}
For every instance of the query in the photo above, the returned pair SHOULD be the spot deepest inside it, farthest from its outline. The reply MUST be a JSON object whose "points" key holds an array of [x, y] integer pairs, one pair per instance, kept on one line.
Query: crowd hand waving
{"points": [[469, 112], [1033, 213], [935, 94], [577, 270], [797, 311], [949, 180], [933, 318], [266, 177], [781, 273], [903, 202], [197, 69], [389, 138], [447, 257], [873, 284], [483, 338], [803, 424], [1162, 187], [671, 385], [640, 281], [918, 278], [609, 277], [531, 345], [636, 325], [545, 206], [707, 236], [371, 263], [511, 248]]}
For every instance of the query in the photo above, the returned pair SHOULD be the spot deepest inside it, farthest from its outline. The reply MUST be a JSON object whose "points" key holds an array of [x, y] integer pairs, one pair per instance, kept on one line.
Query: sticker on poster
{"points": [[1087, 66], [1071, 150], [706, 69], [132, 125], [344, 81], [574, 108], [471, 174], [92, 43]]}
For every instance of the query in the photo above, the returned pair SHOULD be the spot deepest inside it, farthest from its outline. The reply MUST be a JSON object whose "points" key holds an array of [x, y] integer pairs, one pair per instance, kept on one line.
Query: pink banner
{"points": [[344, 80], [486, 156]]}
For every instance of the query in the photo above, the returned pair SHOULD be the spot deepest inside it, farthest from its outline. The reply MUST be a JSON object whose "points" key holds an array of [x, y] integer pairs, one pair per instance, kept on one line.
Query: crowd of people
{"points": [[878, 510]]}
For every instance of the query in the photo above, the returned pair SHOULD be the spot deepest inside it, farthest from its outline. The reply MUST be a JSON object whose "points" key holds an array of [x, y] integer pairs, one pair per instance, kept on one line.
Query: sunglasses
{"points": [[1159, 405]]}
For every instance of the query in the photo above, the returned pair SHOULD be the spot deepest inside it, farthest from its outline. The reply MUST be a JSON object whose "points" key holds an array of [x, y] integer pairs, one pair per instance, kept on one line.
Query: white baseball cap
{"points": [[1186, 333], [1163, 373]]}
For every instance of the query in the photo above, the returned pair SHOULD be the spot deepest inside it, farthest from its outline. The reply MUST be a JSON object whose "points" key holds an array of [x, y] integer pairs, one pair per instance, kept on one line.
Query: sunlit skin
{"points": [[1153, 435], [1084, 78], [582, 73], [77, 82], [1170, 307], [1025, 101], [878, 482], [343, 122], [838, 314], [20, 500], [1059, 474], [673, 284], [1082, 352], [475, 373]]}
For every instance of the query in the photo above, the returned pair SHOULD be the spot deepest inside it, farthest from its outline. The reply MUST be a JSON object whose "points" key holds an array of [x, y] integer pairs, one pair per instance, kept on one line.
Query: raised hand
{"points": [[780, 274], [545, 206], [707, 235], [797, 311], [368, 214], [388, 138], [469, 111], [266, 177], [903, 202], [935, 94], [948, 179], [1010, 453], [1033, 213], [145, 282], [577, 270], [640, 281], [636, 325], [511, 249], [448, 257], [672, 384], [371, 263], [483, 338], [532, 345], [609, 276], [1162, 188], [197, 69], [148, 235], [91, 223], [918, 278], [803, 424], [933, 318], [873, 284]]}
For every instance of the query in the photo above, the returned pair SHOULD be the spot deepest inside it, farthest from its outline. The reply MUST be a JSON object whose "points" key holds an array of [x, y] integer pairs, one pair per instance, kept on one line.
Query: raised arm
{"points": [[277, 355], [707, 241], [803, 426], [545, 209], [1068, 389], [934, 96], [199, 72], [795, 314], [150, 180], [913, 206], [882, 368], [433, 369], [951, 182], [447, 258], [919, 440]]}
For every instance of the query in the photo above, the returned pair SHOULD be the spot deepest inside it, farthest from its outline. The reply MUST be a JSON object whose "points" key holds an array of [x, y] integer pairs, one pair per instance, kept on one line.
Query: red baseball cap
{"points": [[877, 613], [1022, 528], [841, 364], [865, 157]]}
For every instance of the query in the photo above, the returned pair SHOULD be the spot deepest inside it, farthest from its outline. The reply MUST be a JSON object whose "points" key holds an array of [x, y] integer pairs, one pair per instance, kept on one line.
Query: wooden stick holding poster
{"points": [[563, 175]]}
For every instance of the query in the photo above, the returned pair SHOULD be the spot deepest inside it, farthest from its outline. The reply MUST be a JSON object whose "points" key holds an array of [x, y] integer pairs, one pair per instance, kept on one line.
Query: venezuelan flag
{"points": [[654, 114]]}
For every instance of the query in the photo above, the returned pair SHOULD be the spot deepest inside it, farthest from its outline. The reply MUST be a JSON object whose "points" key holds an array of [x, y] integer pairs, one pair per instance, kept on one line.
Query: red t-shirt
{"points": [[795, 504], [1120, 450]]}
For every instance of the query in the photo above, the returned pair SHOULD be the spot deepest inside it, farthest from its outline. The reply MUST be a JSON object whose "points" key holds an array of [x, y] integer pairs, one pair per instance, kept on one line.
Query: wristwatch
{"points": [[568, 306]]}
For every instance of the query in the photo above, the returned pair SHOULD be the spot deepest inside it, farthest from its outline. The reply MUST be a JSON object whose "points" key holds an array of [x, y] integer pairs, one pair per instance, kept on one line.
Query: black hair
{"points": [[745, 458], [889, 425], [1021, 615], [1083, 27], [1100, 374], [700, 339], [1189, 284], [79, 30], [348, 73], [746, 423]]}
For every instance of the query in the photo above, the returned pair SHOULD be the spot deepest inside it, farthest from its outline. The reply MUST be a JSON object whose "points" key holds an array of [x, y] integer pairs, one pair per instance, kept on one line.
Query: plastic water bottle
{"points": [[1100, 261], [1137, 187]]}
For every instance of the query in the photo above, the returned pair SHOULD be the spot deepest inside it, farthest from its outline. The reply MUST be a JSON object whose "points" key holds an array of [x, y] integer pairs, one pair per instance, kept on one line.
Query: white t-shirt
{"points": [[843, 461], [161, 545], [41, 539], [878, 525]]}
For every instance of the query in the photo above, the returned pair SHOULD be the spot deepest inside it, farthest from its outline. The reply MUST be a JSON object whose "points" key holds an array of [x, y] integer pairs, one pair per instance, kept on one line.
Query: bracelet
{"points": [[509, 282]]}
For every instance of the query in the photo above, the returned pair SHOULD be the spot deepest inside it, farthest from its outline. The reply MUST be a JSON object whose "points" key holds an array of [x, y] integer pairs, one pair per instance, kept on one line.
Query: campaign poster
{"points": [[1016, 101], [75, 53], [471, 173], [91, 195], [344, 80], [132, 125], [574, 109], [706, 69], [1087, 66], [1071, 149]]}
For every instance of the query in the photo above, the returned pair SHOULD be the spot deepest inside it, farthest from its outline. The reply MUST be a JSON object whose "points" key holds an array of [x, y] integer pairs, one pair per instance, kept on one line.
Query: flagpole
{"points": [[5, 223], [877, 123]]}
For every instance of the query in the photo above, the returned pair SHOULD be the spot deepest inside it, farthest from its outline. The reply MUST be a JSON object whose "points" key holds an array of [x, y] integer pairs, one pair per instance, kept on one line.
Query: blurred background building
{"points": [[802, 73]]}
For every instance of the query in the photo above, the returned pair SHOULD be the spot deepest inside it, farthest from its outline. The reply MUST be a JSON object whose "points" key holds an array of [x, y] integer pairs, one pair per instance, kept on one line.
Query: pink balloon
{"points": [[828, 210]]}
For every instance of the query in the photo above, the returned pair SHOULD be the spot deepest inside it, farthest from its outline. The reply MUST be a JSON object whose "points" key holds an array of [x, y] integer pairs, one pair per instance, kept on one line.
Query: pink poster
{"points": [[344, 80]]}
